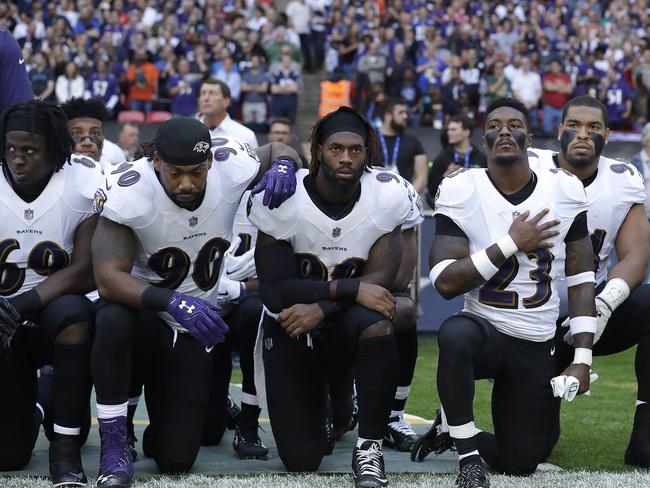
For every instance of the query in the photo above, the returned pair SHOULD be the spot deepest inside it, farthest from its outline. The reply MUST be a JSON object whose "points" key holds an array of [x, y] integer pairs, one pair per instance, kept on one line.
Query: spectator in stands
{"points": [[460, 153], [142, 77], [641, 103], [102, 84], [70, 84], [182, 90], [214, 100], [228, 74], [285, 86], [255, 87], [641, 161], [497, 84], [396, 68], [298, 13], [557, 90], [372, 65], [42, 78], [527, 88], [400, 151], [280, 131], [453, 94], [129, 140], [642, 73], [617, 96]]}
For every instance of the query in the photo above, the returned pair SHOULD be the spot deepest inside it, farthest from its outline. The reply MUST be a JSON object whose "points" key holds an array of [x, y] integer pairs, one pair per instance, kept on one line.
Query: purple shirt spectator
{"points": [[15, 84]]}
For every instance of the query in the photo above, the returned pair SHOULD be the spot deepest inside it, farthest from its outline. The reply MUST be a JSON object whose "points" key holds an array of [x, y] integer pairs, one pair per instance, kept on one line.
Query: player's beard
{"points": [[343, 186], [567, 138]]}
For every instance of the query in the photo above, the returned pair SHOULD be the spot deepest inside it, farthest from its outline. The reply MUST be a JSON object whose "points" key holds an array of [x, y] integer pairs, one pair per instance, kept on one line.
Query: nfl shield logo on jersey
{"points": [[268, 343], [194, 221], [336, 232], [515, 214], [29, 214]]}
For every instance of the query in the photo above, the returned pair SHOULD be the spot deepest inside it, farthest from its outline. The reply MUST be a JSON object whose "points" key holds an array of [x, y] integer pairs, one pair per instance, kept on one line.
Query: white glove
{"points": [[567, 387], [240, 268], [615, 292], [228, 291]]}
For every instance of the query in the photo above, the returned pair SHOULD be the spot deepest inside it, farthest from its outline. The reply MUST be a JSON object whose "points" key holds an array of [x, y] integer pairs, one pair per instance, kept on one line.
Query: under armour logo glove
{"points": [[278, 183], [199, 317], [9, 322]]}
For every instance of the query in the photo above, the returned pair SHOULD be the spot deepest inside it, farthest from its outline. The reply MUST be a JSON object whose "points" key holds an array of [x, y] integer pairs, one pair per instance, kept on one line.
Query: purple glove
{"points": [[278, 183], [199, 317]]}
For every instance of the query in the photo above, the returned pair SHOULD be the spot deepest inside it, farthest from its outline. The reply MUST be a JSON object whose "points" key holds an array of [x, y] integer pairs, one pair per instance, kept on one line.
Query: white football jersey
{"points": [[617, 187], [328, 249], [416, 215], [38, 237], [177, 248], [521, 300]]}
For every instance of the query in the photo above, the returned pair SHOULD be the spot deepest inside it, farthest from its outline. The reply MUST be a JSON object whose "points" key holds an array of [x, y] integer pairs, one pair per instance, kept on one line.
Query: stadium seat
{"points": [[130, 116], [158, 117]]}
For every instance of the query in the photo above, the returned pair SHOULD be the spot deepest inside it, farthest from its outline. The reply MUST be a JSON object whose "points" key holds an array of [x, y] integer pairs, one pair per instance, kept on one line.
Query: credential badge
{"points": [[336, 232], [29, 214]]}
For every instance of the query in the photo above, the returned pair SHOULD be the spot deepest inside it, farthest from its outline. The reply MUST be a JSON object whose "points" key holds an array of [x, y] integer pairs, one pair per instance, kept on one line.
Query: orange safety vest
{"points": [[333, 95]]}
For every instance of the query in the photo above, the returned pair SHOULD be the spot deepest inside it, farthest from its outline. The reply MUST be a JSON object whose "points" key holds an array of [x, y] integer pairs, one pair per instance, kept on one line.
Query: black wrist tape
{"points": [[154, 298], [347, 289]]}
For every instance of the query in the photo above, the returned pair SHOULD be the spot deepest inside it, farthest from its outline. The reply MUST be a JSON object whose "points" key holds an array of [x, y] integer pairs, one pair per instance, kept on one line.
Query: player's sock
{"points": [[464, 437], [250, 412], [407, 348], [376, 376], [71, 386], [110, 411]]}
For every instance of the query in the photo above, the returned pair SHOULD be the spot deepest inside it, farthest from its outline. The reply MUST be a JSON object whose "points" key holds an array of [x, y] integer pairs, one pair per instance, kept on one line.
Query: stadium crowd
{"points": [[442, 58]]}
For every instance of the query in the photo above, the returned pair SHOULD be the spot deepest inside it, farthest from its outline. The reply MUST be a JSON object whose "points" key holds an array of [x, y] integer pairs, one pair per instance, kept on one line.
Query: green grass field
{"points": [[595, 429]]}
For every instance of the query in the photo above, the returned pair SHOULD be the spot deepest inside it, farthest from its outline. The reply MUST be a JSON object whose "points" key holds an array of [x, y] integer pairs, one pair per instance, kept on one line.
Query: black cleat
{"points": [[248, 445], [472, 475], [399, 434], [65, 462], [435, 441], [233, 412], [330, 432], [638, 449], [368, 466]]}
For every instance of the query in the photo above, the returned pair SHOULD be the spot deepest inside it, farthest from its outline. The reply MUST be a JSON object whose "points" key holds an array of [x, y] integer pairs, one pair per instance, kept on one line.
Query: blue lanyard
{"points": [[384, 149], [467, 153]]}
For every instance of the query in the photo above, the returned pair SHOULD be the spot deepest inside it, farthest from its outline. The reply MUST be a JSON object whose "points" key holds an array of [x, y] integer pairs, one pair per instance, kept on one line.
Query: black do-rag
{"points": [[344, 119], [183, 141], [23, 119]]}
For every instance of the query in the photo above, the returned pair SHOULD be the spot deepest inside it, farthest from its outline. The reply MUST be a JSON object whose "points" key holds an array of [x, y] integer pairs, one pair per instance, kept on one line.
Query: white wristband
{"points": [[484, 266], [580, 278], [578, 325], [582, 355], [615, 292], [507, 246], [438, 269]]}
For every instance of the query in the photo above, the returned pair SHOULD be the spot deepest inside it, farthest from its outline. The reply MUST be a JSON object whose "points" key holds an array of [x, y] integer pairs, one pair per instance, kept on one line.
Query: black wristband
{"points": [[329, 307], [154, 298], [347, 289], [27, 302]]}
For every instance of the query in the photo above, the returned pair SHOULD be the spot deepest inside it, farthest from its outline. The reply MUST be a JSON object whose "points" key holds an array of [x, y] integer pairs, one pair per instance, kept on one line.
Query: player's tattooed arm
{"points": [[632, 247], [113, 250], [384, 260], [408, 261], [269, 153], [74, 279], [579, 259], [460, 276]]}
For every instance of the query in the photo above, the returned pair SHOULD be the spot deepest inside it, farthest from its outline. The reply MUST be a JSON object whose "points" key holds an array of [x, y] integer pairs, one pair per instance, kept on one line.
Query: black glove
{"points": [[9, 322]]}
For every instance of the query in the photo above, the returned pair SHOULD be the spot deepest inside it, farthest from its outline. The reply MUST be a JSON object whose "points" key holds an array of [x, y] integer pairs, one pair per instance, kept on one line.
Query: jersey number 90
{"points": [[173, 265], [310, 267]]}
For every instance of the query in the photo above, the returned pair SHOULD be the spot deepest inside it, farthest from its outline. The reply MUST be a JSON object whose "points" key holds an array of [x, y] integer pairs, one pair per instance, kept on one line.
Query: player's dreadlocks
{"points": [[79, 107], [343, 119], [42, 118]]}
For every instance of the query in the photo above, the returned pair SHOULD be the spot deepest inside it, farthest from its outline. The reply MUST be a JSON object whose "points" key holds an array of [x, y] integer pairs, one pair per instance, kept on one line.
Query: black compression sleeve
{"points": [[579, 228], [447, 227], [27, 302], [154, 298], [279, 284]]}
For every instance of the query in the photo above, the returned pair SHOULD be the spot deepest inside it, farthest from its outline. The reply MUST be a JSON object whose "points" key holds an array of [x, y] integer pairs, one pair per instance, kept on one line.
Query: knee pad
{"points": [[114, 323], [14, 459], [305, 460], [458, 333], [65, 311]]}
